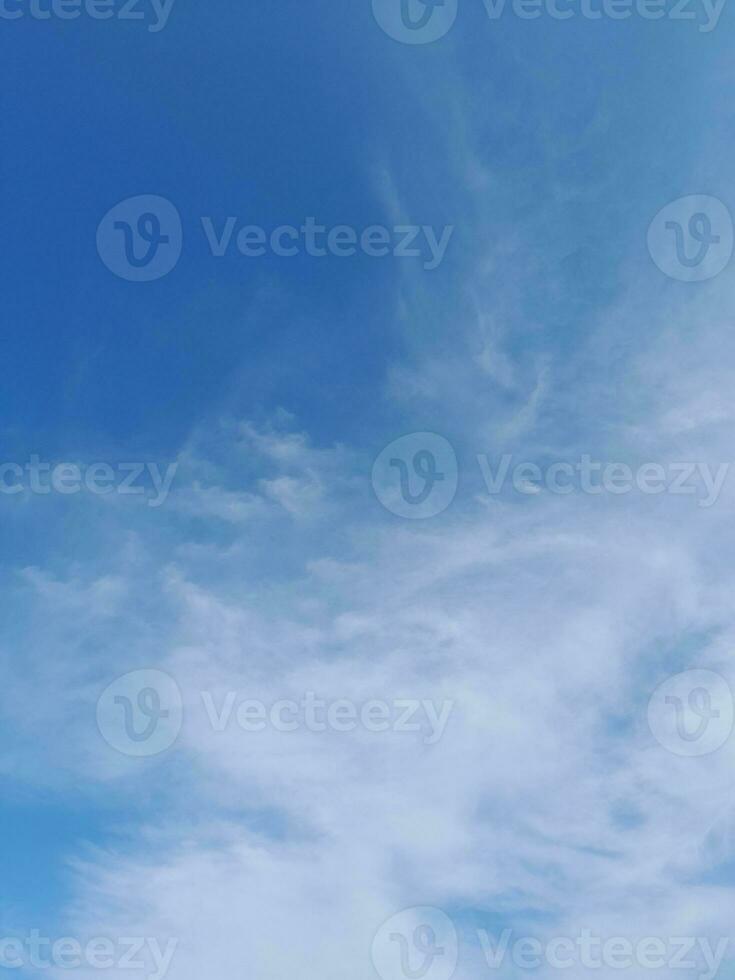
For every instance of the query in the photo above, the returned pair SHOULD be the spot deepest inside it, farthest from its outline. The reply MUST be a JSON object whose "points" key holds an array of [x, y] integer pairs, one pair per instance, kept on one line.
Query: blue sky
{"points": [[272, 384]]}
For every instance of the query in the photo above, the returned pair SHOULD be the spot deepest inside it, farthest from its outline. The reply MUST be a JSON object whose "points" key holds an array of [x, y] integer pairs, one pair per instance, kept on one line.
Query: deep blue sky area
{"points": [[270, 111]]}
